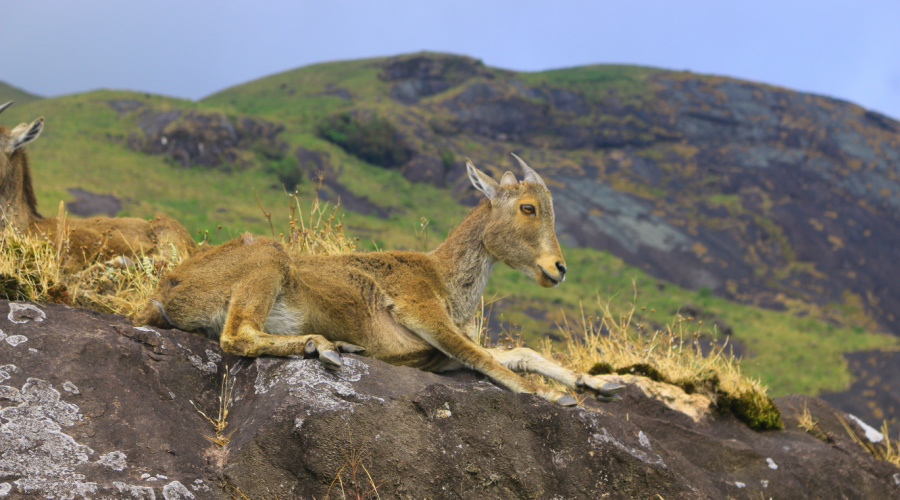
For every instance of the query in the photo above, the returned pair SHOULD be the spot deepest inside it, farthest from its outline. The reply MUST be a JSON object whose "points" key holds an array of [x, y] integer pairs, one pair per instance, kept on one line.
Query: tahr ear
{"points": [[482, 181], [508, 179], [24, 134]]}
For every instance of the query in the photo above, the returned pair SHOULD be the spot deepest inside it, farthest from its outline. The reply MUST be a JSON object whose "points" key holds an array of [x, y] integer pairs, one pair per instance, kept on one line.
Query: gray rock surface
{"points": [[93, 407]]}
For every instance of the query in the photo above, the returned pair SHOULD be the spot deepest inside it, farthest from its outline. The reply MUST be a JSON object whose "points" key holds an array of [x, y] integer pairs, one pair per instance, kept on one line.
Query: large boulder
{"points": [[93, 407]]}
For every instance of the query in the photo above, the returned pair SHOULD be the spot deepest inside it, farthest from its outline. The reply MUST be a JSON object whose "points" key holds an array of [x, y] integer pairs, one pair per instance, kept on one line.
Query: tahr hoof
{"points": [[566, 401], [331, 359], [351, 348], [610, 388], [310, 348]]}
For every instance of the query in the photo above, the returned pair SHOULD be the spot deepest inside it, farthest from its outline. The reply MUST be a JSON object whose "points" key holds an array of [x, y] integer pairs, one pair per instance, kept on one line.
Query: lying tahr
{"points": [[406, 308], [81, 241]]}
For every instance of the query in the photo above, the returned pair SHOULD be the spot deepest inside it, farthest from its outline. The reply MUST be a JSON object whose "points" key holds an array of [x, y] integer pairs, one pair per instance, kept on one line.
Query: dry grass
{"points": [[618, 343], [321, 232], [220, 422], [809, 424], [884, 450], [30, 268], [349, 478]]}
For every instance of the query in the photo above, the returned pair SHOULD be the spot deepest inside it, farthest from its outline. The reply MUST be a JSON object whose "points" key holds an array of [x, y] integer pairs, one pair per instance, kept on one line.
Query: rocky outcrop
{"points": [[87, 203], [421, 75], [94, 408], [91, 406], [212, 140]]}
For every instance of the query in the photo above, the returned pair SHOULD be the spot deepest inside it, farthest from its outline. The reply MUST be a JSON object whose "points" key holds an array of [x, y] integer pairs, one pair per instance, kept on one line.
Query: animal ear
{"points": [[482, 181], [508, 179], [530, 174], [23, 134]]}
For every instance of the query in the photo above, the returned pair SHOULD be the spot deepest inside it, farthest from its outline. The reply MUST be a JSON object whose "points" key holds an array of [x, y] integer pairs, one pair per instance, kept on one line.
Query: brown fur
{"points": [[406, 308], [83, 240]]}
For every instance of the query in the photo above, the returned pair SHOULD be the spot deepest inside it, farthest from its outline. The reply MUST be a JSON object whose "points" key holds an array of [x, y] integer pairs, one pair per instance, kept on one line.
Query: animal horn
{"points": [[6, 106], [530, 174]]}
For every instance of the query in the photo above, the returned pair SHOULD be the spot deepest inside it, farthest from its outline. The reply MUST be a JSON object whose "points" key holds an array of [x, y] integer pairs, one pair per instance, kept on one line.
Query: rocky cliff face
{"points": [[93, 407]]}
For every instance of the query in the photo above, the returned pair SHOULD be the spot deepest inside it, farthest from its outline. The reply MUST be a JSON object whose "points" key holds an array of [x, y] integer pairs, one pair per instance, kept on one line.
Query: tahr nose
{"points": [[562, 268]]}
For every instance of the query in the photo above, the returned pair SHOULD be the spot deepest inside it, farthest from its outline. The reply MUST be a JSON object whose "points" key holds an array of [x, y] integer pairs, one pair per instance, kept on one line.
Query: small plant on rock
{"points": [[618, 343]]}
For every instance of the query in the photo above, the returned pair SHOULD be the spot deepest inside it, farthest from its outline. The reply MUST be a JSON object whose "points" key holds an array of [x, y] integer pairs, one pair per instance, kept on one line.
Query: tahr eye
{"points": [[527, 209]]}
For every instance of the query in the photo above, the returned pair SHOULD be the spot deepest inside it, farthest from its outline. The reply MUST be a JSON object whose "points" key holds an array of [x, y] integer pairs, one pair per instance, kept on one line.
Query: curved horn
{"points": [[6, 106], [530, 174]]}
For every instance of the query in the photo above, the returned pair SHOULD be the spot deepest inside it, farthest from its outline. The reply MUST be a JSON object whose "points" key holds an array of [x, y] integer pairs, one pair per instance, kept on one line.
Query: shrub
{"points": [[288, 171], [447, 159], [372, 139]]}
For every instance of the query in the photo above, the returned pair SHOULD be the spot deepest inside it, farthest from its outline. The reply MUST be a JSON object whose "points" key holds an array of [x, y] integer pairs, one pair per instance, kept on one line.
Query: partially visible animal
{"points": [[406, 308], [83, 241]]}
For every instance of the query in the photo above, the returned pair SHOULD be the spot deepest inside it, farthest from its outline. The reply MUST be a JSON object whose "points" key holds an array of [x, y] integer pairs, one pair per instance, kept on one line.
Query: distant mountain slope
{"points": [[11, 93], [741, 194]]}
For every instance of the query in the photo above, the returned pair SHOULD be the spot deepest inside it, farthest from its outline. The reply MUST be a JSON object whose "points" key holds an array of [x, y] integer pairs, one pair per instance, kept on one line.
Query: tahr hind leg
{"points": [[251, 302]]}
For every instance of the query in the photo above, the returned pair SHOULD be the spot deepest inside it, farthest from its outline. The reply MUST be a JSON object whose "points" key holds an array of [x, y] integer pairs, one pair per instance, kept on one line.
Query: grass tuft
{"points": [[809, 424], [31, 269], [220, 422], [616, 343], [319, 232], [356, 488]]}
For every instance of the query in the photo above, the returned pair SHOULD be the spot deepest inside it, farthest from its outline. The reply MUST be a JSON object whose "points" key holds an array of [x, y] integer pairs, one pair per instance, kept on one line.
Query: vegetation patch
{"points": [[287, 170], [617, 343], [372, 139]]}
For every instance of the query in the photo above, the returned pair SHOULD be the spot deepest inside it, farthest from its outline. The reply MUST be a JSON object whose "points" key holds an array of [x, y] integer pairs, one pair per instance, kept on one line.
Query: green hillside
{"points": [[11, 93], [115, 143]]}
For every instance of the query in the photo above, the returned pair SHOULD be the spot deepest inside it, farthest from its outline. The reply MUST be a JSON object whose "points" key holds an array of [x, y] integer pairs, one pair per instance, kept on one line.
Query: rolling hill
{"points": [[766, 214], [11, 93]]}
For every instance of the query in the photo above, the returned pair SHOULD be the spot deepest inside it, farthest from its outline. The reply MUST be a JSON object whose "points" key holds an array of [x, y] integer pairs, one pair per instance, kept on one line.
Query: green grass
{"points": [[301, 96], [595, 81]]}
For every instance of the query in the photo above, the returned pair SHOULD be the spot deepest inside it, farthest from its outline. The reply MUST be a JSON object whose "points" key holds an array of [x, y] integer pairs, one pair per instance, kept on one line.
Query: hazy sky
{"points": [[845, 49]]}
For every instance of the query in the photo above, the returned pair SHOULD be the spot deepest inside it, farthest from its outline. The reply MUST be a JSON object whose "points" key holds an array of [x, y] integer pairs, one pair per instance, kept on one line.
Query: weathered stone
{"points": [[425, 168], [206, 139], [87, 203]]}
